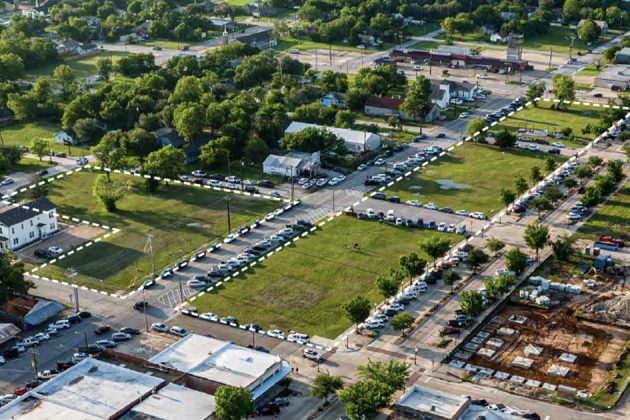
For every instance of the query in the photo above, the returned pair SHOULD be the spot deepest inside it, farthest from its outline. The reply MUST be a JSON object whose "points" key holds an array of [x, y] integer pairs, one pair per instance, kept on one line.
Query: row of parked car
{"points": [[503, 112], [379, 195], [399, 168], [419, 223]]}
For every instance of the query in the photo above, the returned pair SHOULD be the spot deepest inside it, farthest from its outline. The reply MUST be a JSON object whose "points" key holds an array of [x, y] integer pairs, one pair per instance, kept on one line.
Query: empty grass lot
{"points": [[82, 66], [611, 219], [543, 117], [182, 219], [29, 166], [480, 172], [21, 134], [304, 285]]}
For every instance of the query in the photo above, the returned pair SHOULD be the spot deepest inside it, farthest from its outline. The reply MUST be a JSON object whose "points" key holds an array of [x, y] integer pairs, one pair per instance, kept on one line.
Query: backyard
{"points": [[610, 219], [543, 117], [21, 134], [182, 220], [303, 287], [470, 178]]}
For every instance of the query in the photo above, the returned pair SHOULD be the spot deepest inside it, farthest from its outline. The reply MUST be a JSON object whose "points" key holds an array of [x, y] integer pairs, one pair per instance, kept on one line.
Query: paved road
{"points": [[24, 179]]}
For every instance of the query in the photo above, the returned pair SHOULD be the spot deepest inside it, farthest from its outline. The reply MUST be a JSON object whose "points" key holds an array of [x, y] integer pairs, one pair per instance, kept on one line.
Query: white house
{"points": [[292, 164], [23, 224], [65, 137], [355, 141]]}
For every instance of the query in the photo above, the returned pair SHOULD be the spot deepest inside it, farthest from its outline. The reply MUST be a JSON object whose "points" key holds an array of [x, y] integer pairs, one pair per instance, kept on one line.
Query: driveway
{"points": [[67, 239]]}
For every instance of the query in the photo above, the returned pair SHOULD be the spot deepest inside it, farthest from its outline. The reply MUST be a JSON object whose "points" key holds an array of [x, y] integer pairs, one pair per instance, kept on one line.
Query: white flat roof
{"points": [[90, 389], [346, 134], [217, 360], [428, 400], [177, 402]]}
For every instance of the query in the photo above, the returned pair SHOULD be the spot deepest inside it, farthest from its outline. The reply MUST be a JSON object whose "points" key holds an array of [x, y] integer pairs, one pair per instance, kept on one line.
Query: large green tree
{"points": [[325, 384], [536, 237], [357, 309], [167, 162], [364, 398], [417, 104], [412, 265], [12, 281], [475, 258], [233, 403], [435, 246], [563, 89], [109, 191], [110, 151], [515, 260]]}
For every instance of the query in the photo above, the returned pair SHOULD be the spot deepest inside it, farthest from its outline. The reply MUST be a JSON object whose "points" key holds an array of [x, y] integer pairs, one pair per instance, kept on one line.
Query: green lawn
{"points": [[543, 117], [287, 44], [236, 2], [558, 39], [28, 165], [82, 66], [611, 219], [304, 285], [425, 45], [422, 30], [480, 172], [21, 134], [590, 70], [182, 219]]}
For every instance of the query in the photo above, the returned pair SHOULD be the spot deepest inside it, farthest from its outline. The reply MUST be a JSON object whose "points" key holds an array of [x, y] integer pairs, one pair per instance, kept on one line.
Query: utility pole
{"points": [[146, 317], [292, 184], [550, 56], [149, 248], [329, 55], [229, 221], [34, 362]]}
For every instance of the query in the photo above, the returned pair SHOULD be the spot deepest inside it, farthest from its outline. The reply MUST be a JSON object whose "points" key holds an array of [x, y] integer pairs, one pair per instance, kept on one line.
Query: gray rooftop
{"points": [[14, 214]]}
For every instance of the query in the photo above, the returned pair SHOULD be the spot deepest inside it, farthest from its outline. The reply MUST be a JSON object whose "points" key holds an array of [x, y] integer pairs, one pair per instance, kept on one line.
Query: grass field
{"points": [[82, 66], [181, 218], [480, 172], [558, 39], [425, 45], [611, 219], [303, 287], [21, 134], [287, 44], [28, 165], [543, 117], [590, 70]]}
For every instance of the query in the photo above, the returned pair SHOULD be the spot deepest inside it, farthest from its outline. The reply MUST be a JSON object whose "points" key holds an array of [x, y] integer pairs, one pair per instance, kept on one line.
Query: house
{"points": [[333, 99], [355, 141], [8, 331], [497, 38], [463, 90], [166, 136], [141, 31], [623, 56], [602, 24], [440, 93], [263, 39], [67, 137], [505, 16], [193, 149], [219, 24], [93, 21], [26, 223], [379, 106], [615, 77], [292, 164], [86, 49], [427, 403], [67, 47]]}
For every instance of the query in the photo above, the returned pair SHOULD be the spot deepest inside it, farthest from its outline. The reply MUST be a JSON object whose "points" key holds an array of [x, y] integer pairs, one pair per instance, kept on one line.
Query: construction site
{"points": [[562, 333]]}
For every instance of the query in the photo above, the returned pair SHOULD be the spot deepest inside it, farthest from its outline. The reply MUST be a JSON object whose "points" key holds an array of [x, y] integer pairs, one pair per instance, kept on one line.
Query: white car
{"points": [[430, 206], [456, 101], [361, 167], [451, 228], [185, 178], [373, 325], [209, 316], [230, 238], [441, 227], [414, 203], [276, 334], [418, 68], [159, 327], [298, 338], [200, 174], [390, 216], [370, 213], [195, 283], [400, 221], [463, 115], [270, 216], [558, 144], [379, 162], [533, 148], [482, 76], [333, 182], [461, 212], [312, 355], [478, 215], [60, 324], [77, 357], [55, 250], [6, 181], [179, 331]]}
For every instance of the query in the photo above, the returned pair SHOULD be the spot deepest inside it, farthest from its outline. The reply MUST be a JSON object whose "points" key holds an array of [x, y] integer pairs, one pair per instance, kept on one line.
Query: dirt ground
{"points": [[558, 331], [323, 59], [69, 237]]}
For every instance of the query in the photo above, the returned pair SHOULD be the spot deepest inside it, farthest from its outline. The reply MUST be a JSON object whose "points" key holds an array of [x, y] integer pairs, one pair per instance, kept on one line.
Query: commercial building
{"points": [[623, 56], [426, 403], [379, 106], [292, 164], [614, 77], [355, 141], [94, 389], [216, 363], [26, 223], [477, 61]]}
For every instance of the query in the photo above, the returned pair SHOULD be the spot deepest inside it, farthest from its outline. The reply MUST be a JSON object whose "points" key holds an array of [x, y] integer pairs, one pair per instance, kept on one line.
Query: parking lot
{"points": [[69, 237]]}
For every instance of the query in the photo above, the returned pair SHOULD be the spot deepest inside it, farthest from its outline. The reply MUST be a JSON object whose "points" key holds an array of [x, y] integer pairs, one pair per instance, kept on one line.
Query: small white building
{"points": [[26, 223], [356, 141], [292, 164], [427, 403], [66, 137]]}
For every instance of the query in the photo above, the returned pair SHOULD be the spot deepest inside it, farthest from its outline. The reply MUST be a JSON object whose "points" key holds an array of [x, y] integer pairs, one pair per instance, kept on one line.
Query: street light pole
{"points": [[415, 356], [229, 220]]}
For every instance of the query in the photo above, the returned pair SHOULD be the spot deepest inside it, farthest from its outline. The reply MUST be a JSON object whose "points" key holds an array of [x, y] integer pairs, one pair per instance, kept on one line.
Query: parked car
{"points": [[140, 305], [179, 331], [55, 250], [159, 327], [312, 355], [130, 330], [102, 329]]}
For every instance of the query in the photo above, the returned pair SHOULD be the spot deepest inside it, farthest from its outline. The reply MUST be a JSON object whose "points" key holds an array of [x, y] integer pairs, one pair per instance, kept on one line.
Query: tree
{"points": [[499, 285], [562, 248], [535, 174], [553, 194], [515, 260], [614, 168], [588, 31], [417, 104], [39, 189], [435, 247], [471, 302], [550, 164], [505, 139], [475, 258], [541, 204], [450, 276], [12, 281], [39, 147], [325, 385], [88, 129], [166, 162], [569, 183], [109, 192], [140, 142], [626, 150], [563, 89], [495, 244], [402, 321], [535, 91], [520, 185], [412, 265], [536, 237], [233, 403], [391, 372], [507, 196], [104, 66], [313, 140], [344, 118], [213, 155], [189, 120], [583, 171], [357, 309], [364, 398], [110, 151], [66, 79], [256, 149], [591, 196], [388, 285], [11, 67], [476, 125]]}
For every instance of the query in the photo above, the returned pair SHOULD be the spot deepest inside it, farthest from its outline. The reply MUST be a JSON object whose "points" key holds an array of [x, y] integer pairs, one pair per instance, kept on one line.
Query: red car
{"points": [[21, 390], [450, 331], [102, 329]]}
